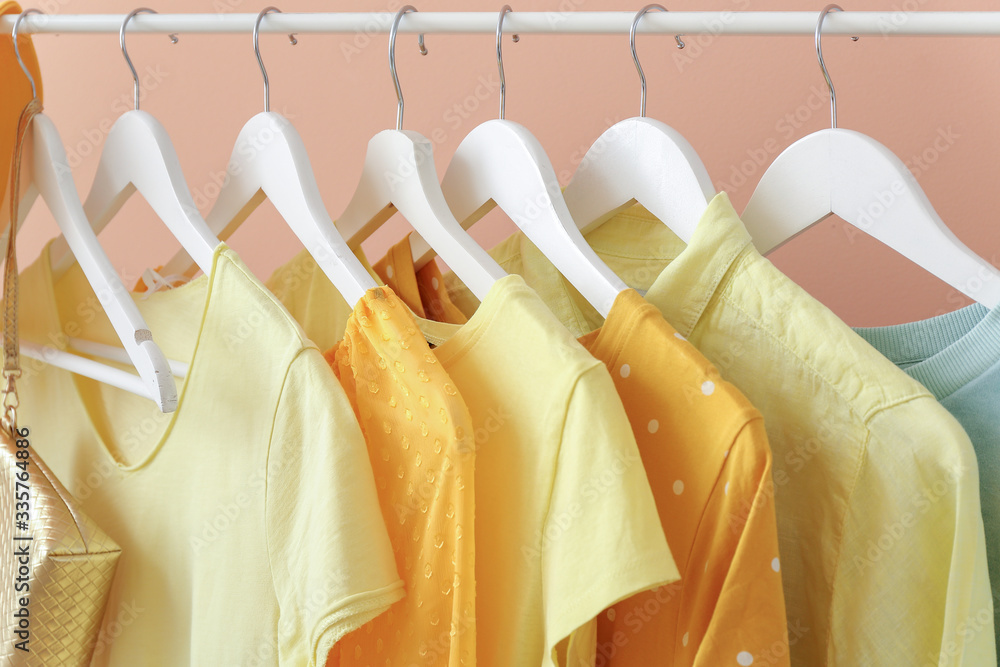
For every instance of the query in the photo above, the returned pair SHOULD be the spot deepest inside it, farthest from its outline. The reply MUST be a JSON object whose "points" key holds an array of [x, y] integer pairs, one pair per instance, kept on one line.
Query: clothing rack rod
{"points": [[568, 22]]}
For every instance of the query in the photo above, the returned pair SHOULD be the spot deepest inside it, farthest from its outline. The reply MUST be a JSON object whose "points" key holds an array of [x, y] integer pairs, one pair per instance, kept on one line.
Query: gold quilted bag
{"points": [[56, 565]]}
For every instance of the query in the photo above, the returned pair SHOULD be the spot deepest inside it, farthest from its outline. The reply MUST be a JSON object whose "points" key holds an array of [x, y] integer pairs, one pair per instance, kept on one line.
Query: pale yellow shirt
{"points": [[248, 518], [877, 495], [565, 520]]}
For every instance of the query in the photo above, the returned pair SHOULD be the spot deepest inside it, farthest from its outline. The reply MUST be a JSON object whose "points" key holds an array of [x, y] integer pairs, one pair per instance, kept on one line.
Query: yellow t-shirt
{"points": [[706, 455], [566, 524], [248, 518], [312, 299], [881, 537], [419, 436], [16, 94]]}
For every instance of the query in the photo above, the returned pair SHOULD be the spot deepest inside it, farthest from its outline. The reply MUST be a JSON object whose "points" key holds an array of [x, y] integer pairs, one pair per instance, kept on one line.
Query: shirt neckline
{"points": [[55, 324], [454, 340], [607, 342], [947, 352]]}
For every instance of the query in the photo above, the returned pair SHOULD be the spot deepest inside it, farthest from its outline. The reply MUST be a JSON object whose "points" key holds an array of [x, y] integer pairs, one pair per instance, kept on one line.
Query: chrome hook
{"points": [[822, 65], [17, 51], [392, 60], [256, 50], [635, 56], [128, 61], [515, 39]]}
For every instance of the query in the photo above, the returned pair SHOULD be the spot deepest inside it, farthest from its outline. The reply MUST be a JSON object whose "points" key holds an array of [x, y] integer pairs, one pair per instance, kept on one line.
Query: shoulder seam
{"points": [[267, 460], [275, 303]]}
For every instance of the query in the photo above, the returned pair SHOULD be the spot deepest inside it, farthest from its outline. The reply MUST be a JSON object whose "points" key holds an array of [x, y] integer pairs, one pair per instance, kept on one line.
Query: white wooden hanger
{"points": [[641, 160], [851, 175], [399, 175], [138, 155], [279, 169], [500, 163], [48, 175]]}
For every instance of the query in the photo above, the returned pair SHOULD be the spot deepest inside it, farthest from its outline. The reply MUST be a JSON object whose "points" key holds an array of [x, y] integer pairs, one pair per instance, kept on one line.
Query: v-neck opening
{"points": [[79, 382]]}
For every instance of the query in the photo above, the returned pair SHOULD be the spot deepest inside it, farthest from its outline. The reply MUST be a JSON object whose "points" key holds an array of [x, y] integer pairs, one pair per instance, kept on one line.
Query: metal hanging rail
{"points": [[568, 22]]}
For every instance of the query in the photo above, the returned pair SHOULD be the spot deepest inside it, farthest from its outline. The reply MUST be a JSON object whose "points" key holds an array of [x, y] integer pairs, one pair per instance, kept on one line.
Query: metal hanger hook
{"points": [[822, 65], [392, 60], [515, 39], [256, 50], [128, 61], [17, 51], [635, 56]]}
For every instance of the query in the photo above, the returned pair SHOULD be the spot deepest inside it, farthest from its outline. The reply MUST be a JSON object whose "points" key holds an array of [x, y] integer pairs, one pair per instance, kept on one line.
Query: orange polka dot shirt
{"points": [[708, 461]]}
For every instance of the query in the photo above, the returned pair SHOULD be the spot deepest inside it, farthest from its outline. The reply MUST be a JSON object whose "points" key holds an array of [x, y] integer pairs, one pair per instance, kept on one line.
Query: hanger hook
{"points": [[635, 56], [392, 60], [17, 51], [256, 50], [822, 65], [515, 39], [128, 61]]}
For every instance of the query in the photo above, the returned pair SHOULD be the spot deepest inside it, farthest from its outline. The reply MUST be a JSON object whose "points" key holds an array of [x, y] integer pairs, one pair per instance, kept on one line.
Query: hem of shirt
{"points": [[350, 614], [617, 585]]}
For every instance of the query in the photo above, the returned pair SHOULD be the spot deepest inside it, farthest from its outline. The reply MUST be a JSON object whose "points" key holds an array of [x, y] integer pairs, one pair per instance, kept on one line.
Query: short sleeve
{"points": [[739, 613], [602, 539], [331, 561]]}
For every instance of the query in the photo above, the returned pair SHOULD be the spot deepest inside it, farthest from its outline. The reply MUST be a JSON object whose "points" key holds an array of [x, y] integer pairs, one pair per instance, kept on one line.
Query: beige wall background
{"points": [[739, 100]]}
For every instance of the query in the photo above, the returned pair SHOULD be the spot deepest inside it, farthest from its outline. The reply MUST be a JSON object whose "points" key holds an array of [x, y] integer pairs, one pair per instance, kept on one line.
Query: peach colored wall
{"points": [[734, 98]]}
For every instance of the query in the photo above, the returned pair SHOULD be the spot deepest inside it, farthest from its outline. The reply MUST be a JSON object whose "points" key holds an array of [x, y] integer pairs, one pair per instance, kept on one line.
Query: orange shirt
{"points": [[417, 429], [707, 458], [708, 461]]}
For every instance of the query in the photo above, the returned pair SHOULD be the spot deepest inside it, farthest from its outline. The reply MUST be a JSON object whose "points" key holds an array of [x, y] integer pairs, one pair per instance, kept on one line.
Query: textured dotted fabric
{"points": [[417, 429]]}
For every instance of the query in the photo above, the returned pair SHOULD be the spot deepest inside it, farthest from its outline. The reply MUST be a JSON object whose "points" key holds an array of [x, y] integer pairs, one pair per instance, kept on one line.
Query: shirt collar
{"points": [[685, 286]]}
